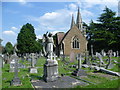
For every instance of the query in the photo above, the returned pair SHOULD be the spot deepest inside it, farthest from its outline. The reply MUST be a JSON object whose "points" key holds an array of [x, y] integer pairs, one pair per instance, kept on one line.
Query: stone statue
{"points": [[48, 45], [51, 65]]}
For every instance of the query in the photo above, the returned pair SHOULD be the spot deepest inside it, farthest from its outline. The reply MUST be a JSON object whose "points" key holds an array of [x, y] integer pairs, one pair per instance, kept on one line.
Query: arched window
{"points": [[75, 43]]}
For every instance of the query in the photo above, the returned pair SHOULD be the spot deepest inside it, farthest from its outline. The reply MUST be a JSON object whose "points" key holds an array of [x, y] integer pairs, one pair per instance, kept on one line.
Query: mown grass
{"points": [[104, 84], [25, 76]]}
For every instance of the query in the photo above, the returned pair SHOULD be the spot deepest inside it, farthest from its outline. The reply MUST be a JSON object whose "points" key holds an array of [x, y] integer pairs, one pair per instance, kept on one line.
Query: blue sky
{"points": [[48, 16]]}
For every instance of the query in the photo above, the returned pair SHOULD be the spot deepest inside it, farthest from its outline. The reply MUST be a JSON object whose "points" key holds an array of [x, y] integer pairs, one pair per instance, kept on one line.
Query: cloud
{"points": [[39, 37], [9, 33], [14, 28], [73, 6], [92, 3], [23, 2], [54, 32]]}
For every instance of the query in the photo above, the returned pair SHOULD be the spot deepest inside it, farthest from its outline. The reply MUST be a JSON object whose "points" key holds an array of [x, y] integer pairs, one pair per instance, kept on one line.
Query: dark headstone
{"points": [[86, 61]]}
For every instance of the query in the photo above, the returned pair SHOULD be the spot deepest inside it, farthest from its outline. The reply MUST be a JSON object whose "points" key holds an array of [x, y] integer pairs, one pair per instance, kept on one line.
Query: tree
{"points": [[26, 40], [8, 50], [105, 34], [39, 45]]}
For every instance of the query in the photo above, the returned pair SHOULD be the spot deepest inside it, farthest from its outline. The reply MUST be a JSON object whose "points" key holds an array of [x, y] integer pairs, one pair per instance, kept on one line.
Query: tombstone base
{"points": [[16, 82], [13, 70], [109, 66], [33, 70], [50, 71], [79, 72]]}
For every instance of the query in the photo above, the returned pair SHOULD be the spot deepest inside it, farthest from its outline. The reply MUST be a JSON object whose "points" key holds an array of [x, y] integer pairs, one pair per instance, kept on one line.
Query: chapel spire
{"points": [[79, 20], [72, 22]]}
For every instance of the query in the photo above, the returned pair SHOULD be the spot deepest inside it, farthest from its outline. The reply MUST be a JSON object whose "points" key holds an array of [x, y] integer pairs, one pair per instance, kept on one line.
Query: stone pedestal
{"points": [[33, 70], [16, 82], [50, 70]]}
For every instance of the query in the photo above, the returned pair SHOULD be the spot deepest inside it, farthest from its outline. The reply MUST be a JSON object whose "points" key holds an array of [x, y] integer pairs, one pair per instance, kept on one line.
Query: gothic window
{"points": [[75, 43]]}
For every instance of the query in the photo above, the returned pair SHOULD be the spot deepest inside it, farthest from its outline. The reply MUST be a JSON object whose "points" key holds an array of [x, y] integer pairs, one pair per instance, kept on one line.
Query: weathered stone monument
{"points": [[86, 61], [92, 50], [16, 81], [12, 65], [117, 53], [109, 65], [100, 58], [79, 71], [51, 65], [72, 57], [33, 69]]}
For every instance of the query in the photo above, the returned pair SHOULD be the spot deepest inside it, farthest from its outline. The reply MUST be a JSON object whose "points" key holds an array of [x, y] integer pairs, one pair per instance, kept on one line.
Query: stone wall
{"points": [[74, 31]]}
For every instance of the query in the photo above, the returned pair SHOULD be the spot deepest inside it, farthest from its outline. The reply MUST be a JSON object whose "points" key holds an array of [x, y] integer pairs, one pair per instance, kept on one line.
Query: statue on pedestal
{"points": [[51, 65]]}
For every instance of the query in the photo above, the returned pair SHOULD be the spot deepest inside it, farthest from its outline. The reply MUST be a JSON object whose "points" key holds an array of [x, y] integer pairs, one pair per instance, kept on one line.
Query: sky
{"points": [[48, 16]]}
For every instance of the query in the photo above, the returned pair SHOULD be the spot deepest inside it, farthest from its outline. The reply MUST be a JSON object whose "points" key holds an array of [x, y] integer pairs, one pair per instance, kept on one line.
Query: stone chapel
{"points": [[74, 40]]}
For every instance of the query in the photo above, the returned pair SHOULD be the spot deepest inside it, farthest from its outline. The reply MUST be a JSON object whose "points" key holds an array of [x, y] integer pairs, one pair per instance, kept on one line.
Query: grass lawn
{"points": [[25, 76]]}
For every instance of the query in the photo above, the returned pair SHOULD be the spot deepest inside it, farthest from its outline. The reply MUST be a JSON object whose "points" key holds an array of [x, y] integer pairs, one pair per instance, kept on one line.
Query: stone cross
{"points": [[33, 59], [16, 67], [16, 81], [117, 54], [92, 50], [55, 57], [86, 61], [79, 61]]}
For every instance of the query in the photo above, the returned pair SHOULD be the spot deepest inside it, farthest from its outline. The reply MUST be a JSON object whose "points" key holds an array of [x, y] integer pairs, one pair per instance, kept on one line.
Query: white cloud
{"points": [[23, 2], [14, 28], [73, 6], [39, 37], [9, 33], [54, 32], [91, 3]]}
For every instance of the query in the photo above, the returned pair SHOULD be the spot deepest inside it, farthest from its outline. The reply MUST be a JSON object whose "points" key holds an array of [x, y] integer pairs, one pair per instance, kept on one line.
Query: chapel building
{"points": [[74, 40]]}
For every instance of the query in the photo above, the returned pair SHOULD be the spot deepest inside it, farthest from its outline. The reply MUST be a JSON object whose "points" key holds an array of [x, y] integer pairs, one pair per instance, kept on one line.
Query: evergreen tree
{"points": [[8, 48], [105, 35], [26, 40]]}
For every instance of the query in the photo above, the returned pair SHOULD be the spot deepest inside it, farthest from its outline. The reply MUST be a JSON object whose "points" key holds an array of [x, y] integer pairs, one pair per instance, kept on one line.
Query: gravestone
{"points": [[79, 71], [100, 58], [114, 54], [117, 54], [16, 81], [63, 57], [109, 65], [51, 65], [92, 50], [86, 61], [72, 57], [33, 69], [1, 61]]}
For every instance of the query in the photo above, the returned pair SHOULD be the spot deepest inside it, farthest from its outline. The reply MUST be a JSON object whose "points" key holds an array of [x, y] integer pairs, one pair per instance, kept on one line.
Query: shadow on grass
{"points": [[37, 77], [8, 82], [25, 70], [6, 70]]}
